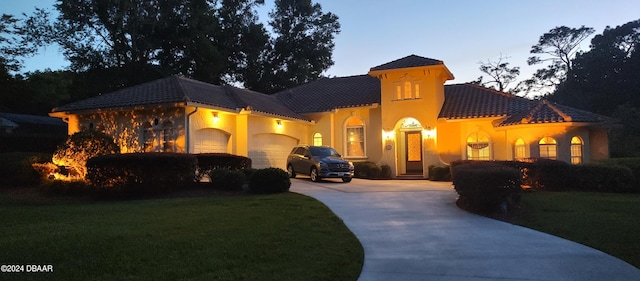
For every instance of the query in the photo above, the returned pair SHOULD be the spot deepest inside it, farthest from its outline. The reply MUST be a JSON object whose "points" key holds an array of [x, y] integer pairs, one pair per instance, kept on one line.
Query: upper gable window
{"points": [[407, 89]]}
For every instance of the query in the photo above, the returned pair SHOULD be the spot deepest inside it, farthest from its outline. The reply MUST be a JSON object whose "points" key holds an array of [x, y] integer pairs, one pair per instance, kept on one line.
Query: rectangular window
{"points": [[576, 154], [417, 94], [355, 141], [407, 90], [548, 151], [398, 92]]}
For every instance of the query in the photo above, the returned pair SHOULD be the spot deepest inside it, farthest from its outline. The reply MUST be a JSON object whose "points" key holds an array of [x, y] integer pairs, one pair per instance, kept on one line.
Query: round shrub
{"points": [[486, 187], [439, 173], [225, 179], [269, 180], [385, 171], [366, 170]]}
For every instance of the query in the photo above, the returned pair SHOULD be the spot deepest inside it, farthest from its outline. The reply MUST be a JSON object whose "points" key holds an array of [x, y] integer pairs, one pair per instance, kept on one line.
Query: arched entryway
{"points": [[410, 156]]}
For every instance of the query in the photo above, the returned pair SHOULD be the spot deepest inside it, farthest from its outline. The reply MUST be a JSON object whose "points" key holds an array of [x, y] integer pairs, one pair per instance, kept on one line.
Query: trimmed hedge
{"points": [[269, 180], [140, 173], [602, 178], [16, 168], [486, 187], [209, 162], [554, 175]]}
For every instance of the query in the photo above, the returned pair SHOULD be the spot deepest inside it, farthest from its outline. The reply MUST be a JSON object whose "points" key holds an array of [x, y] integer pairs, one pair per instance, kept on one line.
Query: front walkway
{"points": [[412, 230]]}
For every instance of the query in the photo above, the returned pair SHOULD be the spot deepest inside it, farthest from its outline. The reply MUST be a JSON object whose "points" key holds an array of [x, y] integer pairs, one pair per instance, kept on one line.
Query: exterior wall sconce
{"points": [[216, 118], [279, 124], [428, 133]]}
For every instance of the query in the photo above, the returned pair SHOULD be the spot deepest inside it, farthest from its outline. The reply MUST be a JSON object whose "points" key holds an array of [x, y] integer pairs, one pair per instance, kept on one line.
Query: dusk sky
{"points": [[460, 33]]}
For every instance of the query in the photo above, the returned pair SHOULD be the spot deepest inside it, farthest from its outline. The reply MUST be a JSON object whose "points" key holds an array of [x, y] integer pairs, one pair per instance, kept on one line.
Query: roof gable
{"points": [[467, 101], [408, 61]]}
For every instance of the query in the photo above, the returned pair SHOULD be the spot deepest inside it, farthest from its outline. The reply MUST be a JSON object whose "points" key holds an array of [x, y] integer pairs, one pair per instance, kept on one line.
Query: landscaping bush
{"points": [[82, 146], [439, 173], [632, 163], [602, 178], [486, 187], [208, 162], [225, 179], [269, 180], [550, 175], [366, 170], [16, 168], [385, 171], [140, 173]]}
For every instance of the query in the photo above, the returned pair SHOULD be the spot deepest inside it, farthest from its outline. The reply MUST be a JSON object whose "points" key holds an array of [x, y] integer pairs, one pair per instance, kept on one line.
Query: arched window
{"points": [[168, 137], [576, 150], [317, 139], [407, 90], [548, 148], [519, 150], [355, 137], [478, 146]]}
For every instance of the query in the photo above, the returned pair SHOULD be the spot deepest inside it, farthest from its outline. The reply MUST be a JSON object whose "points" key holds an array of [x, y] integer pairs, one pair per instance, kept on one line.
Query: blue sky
{"points": [[460, 33]]}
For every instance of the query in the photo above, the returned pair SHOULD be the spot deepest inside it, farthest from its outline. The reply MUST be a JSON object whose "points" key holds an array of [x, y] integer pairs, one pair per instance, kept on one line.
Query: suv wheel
{"points": [[346, 179], [314, 175], [291, 172]]}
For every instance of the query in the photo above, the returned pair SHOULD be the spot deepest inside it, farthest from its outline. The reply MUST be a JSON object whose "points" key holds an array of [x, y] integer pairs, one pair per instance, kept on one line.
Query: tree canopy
{"points": [[557, 47]]}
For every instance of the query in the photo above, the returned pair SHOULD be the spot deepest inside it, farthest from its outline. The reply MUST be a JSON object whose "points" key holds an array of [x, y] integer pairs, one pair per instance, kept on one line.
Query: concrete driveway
{"points": [[412, 230]]}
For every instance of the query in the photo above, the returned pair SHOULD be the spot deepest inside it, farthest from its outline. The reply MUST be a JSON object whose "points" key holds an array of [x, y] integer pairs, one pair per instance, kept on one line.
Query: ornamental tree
{"points": [[82, 146]]}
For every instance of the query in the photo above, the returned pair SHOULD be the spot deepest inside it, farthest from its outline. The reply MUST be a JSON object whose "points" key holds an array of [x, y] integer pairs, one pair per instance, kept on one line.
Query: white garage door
{"points": [[270, 150], [210, 140]]}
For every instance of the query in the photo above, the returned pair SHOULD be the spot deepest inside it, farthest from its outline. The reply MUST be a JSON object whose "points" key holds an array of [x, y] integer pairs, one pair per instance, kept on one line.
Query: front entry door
{"points": [[413, 153]]}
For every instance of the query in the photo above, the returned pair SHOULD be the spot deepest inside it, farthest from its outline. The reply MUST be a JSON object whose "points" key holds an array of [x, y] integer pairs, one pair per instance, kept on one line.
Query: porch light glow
{"points": [[216, 118], [388, 135], [279, 124]]}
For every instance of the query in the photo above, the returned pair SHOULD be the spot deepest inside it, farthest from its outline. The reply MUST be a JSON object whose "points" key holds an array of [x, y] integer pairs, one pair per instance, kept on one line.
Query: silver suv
{"points": [[318, 162]]}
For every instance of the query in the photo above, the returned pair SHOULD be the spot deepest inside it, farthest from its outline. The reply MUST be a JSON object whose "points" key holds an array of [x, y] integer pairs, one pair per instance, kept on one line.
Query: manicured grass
{"points": [[608, 222], [272, 237]]}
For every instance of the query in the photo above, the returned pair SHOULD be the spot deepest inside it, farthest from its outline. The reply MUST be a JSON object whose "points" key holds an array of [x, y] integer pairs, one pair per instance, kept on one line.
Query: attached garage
{"points": [[210, 141], [270, 150]]}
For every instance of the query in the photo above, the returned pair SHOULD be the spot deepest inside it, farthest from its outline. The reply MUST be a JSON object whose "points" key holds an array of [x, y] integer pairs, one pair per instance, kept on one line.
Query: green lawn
{"points": [[271, 237], [608, 222]]}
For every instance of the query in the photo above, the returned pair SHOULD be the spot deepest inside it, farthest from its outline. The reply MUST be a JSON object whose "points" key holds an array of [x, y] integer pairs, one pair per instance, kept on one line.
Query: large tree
{"points": [[500, 75], [557, 48], [605, 80], [117, 43], [302, 48]]}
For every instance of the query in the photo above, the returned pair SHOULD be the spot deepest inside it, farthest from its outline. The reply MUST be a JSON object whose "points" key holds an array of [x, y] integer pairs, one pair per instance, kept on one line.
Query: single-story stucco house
{"points": [[400, 114]]}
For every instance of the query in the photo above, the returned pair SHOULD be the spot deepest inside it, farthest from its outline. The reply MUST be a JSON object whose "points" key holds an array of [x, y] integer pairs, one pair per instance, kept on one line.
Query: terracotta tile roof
{"points": [[465, 101], [408, 61], [327, 94], [177, 89]]}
